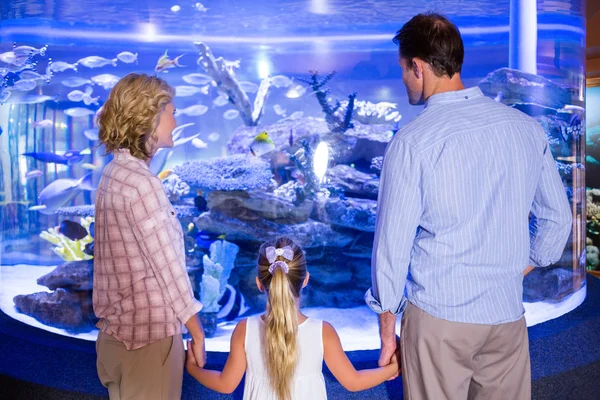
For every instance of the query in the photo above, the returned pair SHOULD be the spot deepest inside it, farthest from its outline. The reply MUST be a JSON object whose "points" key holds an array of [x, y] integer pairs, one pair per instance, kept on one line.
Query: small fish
{"points": [[33, 76], [295, 91], [72, 230], [291, 138], [36, 173], [221, 101], [60, 66], [200, 7], [249, 87], [197, 79], [262, 144], [86, 97], [164, 63], [24, 85], [186, 91], [214, 136], [75, 81], [127, 57], [279, 110], [96, 62], [43, 124], [30, 51], [200, 202], [8, 57], [88, 166], [199, 143], [91, 134], [190, 227], [231, 114], [70, 157], [106, 81], [164, 174], [78, 112], [204, 239], [280, 81], [192, 111], [61, 192], [233, 305], [92, 229]]}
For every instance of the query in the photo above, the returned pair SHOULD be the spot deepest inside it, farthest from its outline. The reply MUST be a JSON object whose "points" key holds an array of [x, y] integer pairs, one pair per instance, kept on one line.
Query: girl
{"points": [[282, 351]]}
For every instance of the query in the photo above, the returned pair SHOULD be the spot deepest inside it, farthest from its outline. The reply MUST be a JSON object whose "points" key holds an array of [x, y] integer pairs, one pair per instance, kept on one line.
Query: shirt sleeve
{"points": [[161, 245], [552, 220], [399, 210]]}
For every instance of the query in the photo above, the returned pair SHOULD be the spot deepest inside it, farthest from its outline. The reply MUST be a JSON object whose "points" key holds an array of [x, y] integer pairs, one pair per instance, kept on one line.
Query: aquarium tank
{"points": [[284, 111]]}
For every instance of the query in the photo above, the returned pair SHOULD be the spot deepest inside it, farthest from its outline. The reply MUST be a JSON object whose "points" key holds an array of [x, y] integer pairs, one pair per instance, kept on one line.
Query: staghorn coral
{"points": [[338, 122], [238, 172], [175, 188], [369, 113], [69, 250], [303, 159], [222, 72]]}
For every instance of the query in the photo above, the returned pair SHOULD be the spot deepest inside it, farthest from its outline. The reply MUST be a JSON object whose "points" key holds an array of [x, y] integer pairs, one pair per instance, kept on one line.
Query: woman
{"points": [[142, 294]]}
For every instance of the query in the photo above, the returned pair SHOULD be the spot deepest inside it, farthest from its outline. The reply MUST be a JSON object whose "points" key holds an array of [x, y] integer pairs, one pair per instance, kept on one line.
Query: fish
{"points": [[280, 81], [164, 174], [72, 230], [61, 192], [186, 91], [279, 110], [231, 114], [233, 304], [30, 51], [199, 143], [213, 136], [96, 62], [45, 123], [295, 91], [249, 87], [8, 57], [106, 81], [197, 79], [59, 66], [91, 134], [200, 202], [33, 76], [78, 112], [86, 97], [32, 99], [176, 8], [262, 144], [88, 166], [190, 227], [291, 138], [24, 85], [92, 229], [70, 157], [192, 111], [221, 100], [127, 57], [164, 63], [75, 81], [204, 239], [200, 7], [36, 173]]}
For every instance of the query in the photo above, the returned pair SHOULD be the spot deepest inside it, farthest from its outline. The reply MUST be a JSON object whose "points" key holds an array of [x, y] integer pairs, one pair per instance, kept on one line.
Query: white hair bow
{"points": [[272, 253]]}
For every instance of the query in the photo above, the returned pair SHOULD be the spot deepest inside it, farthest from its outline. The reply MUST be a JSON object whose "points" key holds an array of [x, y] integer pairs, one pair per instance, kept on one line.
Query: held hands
{"points": [[196, 354], [390, 353]]}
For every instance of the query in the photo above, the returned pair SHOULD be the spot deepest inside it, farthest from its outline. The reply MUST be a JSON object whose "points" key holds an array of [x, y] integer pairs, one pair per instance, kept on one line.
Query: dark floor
{"points": [[34, 364]]}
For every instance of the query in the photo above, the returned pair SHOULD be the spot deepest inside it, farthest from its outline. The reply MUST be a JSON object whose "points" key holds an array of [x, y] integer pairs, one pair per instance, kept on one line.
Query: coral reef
{"points": [[369, 113], [222, 72], [592, 255], [175, 188], [353, 182], [183, 211], [337, 122], [238, 172], [377, 164], [69, 250], [74, 276], [593, 211]]}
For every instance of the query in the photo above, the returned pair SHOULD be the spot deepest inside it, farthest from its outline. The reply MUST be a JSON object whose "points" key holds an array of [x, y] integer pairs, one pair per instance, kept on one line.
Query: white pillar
{"points": [[522, 46]]}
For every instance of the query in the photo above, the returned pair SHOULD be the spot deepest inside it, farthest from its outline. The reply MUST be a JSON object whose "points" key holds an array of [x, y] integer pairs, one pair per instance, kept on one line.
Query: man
{"points": [[457, 187]]}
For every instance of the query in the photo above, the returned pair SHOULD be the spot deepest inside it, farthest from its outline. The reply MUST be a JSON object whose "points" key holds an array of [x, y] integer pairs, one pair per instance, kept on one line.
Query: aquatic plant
{"points": [[217, 270], [337, 122], [175, 188], [67, 249], [222, 72], [237, 172]]}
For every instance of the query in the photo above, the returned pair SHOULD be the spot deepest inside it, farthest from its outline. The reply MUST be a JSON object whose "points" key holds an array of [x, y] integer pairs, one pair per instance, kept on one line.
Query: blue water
{"points": [[269, 37]]}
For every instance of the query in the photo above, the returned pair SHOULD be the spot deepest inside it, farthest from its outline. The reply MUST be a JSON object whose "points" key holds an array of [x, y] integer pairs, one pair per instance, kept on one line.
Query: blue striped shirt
{"points": [[453, 235]]}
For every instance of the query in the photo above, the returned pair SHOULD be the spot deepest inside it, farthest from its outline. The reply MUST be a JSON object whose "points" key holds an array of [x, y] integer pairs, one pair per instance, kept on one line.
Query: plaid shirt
{"points": [[142, 292]]}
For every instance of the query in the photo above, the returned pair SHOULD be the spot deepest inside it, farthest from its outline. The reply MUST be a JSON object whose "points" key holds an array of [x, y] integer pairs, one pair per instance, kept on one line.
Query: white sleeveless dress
{"points": [[308, 382]]}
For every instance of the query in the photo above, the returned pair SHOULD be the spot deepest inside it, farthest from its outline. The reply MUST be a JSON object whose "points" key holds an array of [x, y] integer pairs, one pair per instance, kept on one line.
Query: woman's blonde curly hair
{"points": [[131, 114]]}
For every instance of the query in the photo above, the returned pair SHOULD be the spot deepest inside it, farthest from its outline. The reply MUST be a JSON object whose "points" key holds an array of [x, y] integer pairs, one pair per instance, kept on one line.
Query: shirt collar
{"points": [[125, 154], [454, 96]]}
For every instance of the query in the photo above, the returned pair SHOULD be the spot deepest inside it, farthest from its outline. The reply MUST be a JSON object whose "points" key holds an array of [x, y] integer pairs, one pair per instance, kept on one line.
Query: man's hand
{"points": [[389, 340], [196, 353], [528, 270]]}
